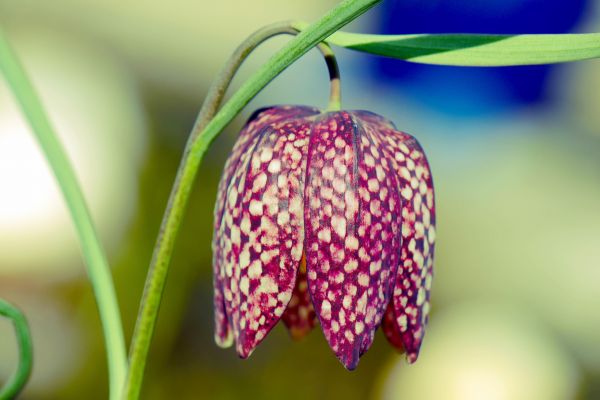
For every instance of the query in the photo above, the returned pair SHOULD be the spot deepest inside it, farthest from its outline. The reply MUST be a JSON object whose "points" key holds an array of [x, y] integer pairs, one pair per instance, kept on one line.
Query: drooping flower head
{"points": [[329, 218]]}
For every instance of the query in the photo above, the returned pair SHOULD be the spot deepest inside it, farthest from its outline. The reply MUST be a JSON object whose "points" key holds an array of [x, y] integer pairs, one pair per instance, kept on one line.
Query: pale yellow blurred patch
{"points": [[181, 43], [95, 107], [519, 221], [483, 352]]}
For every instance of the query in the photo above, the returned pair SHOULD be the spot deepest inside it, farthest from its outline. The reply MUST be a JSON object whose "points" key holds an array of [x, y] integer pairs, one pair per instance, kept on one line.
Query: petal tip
{"points": [[349, 357], [224, 342], [349, 364], [412, 357], [245, 351]]}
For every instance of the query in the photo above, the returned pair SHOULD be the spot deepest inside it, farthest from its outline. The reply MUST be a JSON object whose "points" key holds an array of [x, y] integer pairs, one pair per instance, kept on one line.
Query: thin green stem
{"points": [[335, 87], [17, 381], [203, 133], [219, 87], [93, 252], [163, 249]]}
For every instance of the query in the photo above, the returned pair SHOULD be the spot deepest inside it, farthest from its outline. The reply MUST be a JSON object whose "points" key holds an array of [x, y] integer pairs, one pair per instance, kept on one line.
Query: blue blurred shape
{"points": [[473, 91]]}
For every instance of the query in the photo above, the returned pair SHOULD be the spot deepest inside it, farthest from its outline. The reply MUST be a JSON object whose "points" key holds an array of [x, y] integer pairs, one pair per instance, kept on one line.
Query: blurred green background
{"points": [[515, 158]]}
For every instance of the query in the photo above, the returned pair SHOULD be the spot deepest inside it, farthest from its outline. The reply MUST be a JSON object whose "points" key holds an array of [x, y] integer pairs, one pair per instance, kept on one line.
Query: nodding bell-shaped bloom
{"points": [[324, 217]]}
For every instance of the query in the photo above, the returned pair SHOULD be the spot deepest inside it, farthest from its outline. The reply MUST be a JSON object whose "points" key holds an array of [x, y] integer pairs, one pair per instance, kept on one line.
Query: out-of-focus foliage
{"points": [[515, 164]]}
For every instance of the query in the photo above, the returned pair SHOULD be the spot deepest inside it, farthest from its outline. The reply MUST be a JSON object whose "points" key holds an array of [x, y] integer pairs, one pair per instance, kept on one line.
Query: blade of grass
{"points": [[93, 252]]}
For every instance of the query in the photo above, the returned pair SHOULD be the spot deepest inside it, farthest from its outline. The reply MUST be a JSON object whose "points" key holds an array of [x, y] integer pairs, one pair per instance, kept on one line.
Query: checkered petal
{"points": [[246, 140], [242, 150], [261, 232], [405, 320], [352, 215], [326, 217]]}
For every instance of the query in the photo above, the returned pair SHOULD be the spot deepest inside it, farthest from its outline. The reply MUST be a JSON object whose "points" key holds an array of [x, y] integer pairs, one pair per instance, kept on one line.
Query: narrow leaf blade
{"points": [[473, 49]]}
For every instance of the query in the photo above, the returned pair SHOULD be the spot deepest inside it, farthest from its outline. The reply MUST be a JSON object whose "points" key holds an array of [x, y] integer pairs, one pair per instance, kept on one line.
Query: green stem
{"points": [[203, 133], [163, 249], [17, 381], [217, 91], [335, 87], [95, 258]]}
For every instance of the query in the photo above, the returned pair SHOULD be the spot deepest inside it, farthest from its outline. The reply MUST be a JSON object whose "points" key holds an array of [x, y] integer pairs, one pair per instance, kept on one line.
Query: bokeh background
{"points": [[515, 154]]}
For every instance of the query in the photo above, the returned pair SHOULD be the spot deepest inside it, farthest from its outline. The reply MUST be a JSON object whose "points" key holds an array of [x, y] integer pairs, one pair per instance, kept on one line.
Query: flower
{"points": [[326, 216]]}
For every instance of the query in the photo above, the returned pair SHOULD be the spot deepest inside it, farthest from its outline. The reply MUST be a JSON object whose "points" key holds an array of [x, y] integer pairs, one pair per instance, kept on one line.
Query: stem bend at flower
{"points": [[93, 252], [203, 133], [217, 91], [18, 380]]}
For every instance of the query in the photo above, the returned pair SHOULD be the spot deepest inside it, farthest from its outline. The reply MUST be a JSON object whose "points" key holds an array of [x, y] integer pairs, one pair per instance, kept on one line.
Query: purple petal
{"points": [[262, 232], [242, 149], [300, 317], [247, 139], [413, 280], [390, 330], [352, 213]]}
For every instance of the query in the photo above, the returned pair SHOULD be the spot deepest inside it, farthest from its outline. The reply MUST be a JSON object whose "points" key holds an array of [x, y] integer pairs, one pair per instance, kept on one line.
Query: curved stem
{"points": [[17, 381], [183, 182], [219, 87], [157, 273], [203, 133], [93, 252], [335, 89]]}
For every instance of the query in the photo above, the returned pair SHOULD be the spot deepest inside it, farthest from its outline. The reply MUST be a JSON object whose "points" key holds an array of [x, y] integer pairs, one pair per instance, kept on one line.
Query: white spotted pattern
{"points": [[352, 233], [407, 315], [226, 232], [329, 217]]}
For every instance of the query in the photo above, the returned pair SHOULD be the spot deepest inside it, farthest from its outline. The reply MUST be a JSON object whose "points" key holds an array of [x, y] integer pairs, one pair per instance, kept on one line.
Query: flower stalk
{"points": [[207, 126]]}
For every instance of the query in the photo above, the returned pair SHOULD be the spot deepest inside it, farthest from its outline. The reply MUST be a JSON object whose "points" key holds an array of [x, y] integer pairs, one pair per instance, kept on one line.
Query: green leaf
{"points": [[474, 50]]}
